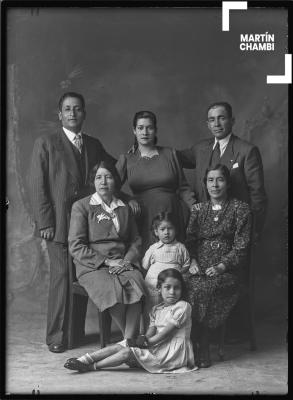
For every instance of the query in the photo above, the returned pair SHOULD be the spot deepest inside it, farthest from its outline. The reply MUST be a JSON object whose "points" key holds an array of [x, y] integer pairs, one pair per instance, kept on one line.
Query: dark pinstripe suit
{"points": [[56, 181]]}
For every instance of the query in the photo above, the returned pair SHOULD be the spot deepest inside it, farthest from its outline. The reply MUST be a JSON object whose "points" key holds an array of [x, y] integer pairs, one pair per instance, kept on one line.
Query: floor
{"points": [[31, 367]]}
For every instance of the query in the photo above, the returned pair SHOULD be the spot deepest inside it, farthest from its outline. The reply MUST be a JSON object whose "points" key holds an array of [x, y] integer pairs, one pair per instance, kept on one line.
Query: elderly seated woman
{"points": [[218, 238], [105, 246]]}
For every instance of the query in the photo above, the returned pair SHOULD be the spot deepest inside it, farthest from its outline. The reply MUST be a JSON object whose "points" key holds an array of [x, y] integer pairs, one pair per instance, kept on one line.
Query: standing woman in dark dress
{"points": [[218, 238], [155, 178]]}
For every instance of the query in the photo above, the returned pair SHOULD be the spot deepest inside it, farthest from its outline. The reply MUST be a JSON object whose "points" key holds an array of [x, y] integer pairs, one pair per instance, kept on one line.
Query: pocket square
{"points": [[235, 165]]}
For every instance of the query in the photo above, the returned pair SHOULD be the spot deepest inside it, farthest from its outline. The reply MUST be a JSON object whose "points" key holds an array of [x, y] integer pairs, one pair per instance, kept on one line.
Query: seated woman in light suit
{"points": [[105, 246]]}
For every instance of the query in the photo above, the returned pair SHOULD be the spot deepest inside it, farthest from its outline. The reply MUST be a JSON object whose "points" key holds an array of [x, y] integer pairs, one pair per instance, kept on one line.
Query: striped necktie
{"points": [[78, 142]]}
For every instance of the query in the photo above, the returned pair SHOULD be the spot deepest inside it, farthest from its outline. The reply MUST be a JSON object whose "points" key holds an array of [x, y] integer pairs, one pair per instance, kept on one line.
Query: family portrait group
{"points": [[147, 200]]}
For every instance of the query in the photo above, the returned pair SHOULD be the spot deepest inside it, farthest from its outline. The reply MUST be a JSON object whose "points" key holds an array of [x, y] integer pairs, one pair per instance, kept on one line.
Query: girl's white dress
{"points": [[159, 257], [174, 354]]}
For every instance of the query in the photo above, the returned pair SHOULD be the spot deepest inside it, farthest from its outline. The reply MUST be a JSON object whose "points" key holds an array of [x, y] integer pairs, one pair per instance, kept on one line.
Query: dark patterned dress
{"points": [[215, 237], [158, 184]]}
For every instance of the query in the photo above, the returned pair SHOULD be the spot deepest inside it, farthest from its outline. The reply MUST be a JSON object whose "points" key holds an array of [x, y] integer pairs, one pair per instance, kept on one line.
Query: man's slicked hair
{"points": [[224, 104]]}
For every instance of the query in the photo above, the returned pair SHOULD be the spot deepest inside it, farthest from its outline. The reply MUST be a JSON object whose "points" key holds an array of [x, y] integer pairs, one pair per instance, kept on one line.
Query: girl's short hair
{"points": [[159, 218], [111, 168], [172, 273]]}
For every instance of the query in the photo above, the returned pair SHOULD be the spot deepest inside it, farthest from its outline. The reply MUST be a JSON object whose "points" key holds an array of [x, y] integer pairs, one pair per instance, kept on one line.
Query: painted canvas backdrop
{"points": [[171, 61]]}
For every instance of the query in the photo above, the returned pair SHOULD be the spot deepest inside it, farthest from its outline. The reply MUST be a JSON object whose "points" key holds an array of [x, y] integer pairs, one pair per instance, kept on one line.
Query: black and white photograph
{"points": [[146, 197]]}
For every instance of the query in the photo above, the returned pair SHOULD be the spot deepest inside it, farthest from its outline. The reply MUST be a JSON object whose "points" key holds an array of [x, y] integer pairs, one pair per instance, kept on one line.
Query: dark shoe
{"points": [[204, 360], [56, 348], [204, 363], [76, 365]]}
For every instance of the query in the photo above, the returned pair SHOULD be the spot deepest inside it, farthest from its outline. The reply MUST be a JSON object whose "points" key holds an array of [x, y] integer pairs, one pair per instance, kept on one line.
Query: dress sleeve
{"points": [[192, 233], [152, 315], [242, 237], [184, 258], [133, 253], [121, 167], [187, 158], [148, 259], [179, 314], [184, 190], [78, 239]]}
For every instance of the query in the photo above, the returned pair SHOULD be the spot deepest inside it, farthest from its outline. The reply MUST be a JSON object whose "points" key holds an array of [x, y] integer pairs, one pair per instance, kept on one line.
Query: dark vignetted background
{"points": [[171, 61]]}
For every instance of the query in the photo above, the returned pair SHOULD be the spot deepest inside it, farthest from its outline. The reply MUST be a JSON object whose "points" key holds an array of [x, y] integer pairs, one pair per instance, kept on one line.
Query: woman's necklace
{"points": [[217, 207], [148, 154]]}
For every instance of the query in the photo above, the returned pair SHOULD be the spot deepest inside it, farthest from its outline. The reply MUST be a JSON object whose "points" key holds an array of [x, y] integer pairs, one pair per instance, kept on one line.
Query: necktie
{"points": [[217, 150], [78, 142]]}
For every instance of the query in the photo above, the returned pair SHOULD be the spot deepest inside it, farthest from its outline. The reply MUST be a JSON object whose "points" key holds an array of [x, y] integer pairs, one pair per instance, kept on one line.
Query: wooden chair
{"points": [[77, 307], [247, 297]]}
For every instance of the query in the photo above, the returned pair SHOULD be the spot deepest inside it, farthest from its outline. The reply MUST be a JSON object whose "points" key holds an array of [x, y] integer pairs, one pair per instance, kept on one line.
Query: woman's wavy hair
{"points": [[111, 168], [172, 273], [142, 114]]}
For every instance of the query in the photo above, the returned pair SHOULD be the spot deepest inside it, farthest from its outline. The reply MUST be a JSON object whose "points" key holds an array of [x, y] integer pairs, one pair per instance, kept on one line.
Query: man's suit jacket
{"points": [[56, 181], [244, 162]]}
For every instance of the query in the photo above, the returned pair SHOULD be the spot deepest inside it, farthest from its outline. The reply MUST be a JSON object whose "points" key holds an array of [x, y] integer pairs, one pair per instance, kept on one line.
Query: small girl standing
{"points": [[166, 347], [167, 252]]}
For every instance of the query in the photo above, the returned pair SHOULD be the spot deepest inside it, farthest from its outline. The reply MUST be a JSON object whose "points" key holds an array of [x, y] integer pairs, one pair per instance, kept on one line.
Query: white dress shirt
{"points": [[223, 143], [71, 135]]}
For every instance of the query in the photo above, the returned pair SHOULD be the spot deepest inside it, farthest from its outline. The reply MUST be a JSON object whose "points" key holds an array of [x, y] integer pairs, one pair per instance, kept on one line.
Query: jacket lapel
{"points": [[63, 146], [231, 154]]}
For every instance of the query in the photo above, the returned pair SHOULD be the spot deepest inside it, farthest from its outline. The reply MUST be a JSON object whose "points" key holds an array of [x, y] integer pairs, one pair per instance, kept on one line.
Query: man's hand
{"points": [[135, 207], [47, 233], [216, 270], [194, 268]]}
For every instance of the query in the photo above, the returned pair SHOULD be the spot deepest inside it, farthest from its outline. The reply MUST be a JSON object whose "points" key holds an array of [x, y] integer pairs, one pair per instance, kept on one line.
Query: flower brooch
{"points": [[102, 216]]}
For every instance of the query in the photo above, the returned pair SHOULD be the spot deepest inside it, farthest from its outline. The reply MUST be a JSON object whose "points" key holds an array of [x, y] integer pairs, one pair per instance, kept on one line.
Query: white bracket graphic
{"points": [[287, 78], [226, 7]]}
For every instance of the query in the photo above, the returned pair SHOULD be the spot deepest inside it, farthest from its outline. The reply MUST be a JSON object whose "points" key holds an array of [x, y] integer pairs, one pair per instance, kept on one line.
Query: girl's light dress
{"points": [[159, 257], [174, 354]]}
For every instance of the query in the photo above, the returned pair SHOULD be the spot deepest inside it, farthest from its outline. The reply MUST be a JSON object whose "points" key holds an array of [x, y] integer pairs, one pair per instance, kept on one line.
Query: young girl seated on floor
{"points": [[166, 346], [167, 252]]}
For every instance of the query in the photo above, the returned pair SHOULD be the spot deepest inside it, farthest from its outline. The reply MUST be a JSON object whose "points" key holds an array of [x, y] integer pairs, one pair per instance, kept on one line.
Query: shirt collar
{"points": [[222, 142], [97, 200], [160, 244], [71, 135]]}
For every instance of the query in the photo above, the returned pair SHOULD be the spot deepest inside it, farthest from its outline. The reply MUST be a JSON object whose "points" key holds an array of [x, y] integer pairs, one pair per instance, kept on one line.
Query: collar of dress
{"points": [[96, 200], [160, 244]]}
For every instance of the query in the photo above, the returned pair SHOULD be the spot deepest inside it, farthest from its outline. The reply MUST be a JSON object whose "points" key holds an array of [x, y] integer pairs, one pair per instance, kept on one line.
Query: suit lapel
{"points": [[64, 147], [230, 155], [86, 149]]}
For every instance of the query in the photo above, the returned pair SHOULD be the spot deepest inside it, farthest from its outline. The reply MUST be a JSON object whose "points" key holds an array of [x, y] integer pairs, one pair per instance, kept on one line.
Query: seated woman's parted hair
{"points": [[172, 273], [111, 168], [219, 167]]}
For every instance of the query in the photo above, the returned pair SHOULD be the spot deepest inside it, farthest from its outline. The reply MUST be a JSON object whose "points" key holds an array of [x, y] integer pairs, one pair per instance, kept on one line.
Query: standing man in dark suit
{"points": [[241, 157], [59, 175]]}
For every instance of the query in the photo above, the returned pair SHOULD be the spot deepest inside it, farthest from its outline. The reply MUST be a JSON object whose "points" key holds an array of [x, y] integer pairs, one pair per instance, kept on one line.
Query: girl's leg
{"points": [[115, 359], [98, 355], [118, 314], [133, 313]]}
